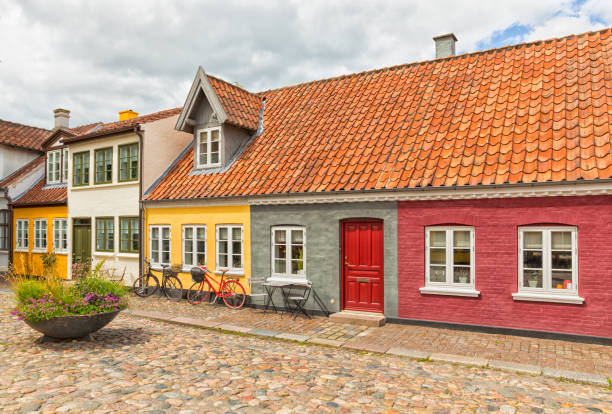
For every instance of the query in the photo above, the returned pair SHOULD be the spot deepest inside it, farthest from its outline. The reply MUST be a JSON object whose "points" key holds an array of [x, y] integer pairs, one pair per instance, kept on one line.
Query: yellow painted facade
{"points": [[30, 261], [211, 217]]}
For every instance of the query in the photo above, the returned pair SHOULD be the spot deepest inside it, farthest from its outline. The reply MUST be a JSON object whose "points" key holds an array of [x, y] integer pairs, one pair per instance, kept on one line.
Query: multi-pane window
{"points": [[160, 245], [548, 262], [104, 165], [128, 162], [53, 166], [23, 234], [60, 235], [194, 246], [4, 225], [229, 247], [80, 169], [65, 165], [208, 147], [128, 234], [105, 234], [288, 247], [449, 255], [40, 234]]}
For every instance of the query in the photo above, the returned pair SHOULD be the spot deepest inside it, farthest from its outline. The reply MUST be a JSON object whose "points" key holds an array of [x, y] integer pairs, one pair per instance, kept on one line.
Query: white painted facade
{"points": [[162, 144], [13, 158]]}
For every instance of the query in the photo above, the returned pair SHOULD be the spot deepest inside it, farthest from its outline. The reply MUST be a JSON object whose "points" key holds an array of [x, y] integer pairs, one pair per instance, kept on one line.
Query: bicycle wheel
{"points": [[173, 288], [198, 292], [233, 294], [145, 285]]}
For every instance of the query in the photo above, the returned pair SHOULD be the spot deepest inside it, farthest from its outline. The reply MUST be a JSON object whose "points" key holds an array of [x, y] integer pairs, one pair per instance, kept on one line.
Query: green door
{"points": [[81, 240]]}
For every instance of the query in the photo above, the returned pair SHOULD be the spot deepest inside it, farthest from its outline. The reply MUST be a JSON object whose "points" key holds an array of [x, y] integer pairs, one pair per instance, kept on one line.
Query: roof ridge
{"points": [[422, 62], [24, 125]]}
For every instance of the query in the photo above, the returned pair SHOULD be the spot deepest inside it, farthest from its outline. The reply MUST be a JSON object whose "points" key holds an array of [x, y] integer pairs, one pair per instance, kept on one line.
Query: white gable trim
{"points": [[200, 83]]}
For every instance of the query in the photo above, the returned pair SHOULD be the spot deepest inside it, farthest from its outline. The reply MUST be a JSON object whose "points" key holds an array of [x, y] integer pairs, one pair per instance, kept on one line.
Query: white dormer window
{"points": [[53, 166], [65, 166], [208, 147]]}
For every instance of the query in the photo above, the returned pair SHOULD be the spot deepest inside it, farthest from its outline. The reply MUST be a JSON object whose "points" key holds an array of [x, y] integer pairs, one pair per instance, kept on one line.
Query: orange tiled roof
{"points": [[17, 175], [108, 128], [242, 107], [39, 195], [82, 129], [534, 112], [23, 136]]}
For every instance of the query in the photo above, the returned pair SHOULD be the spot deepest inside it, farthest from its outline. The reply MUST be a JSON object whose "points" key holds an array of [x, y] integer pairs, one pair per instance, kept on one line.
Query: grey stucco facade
{"points": [[323, 244]]}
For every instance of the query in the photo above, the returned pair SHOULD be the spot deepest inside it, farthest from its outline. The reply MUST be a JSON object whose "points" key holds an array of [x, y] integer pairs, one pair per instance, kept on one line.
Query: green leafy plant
{"points": [[48, 261], [29, 289]]}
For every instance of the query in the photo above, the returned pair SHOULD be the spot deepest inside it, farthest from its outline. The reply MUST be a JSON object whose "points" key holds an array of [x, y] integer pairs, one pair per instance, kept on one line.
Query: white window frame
{"points": [[287, 275], [39, 240], [449, 287], [65, 165], [547, 293], [194, 253], [54, 166], [161, 228], [22, 236], [60, 235], [230, 249], [208, 133]]}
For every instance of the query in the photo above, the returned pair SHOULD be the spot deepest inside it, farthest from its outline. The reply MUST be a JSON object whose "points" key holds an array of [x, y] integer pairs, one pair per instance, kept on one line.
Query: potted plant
{"points": [[533, 281], [59, 310]]}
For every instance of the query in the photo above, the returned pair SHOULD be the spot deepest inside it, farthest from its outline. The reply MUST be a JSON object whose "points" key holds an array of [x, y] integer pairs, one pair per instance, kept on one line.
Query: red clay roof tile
{"points": [[534, 112], [39, 195], [22, 136]]}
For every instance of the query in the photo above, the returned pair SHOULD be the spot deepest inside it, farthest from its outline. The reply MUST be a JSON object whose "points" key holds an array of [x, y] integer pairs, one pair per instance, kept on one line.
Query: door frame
{"points": [[341, 255], [74, 229]]}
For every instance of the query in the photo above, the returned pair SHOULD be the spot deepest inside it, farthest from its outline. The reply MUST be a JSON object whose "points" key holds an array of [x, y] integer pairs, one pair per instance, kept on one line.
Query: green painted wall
{"points": [[322, 222]]}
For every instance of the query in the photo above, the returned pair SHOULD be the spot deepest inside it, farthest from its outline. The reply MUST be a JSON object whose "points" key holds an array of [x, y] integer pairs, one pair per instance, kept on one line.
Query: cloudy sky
{"points": [[96, 58]]}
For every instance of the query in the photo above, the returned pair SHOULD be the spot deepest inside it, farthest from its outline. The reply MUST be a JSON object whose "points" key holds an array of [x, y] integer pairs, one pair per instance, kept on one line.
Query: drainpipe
{"points": [[10, 227], [141, 229]]}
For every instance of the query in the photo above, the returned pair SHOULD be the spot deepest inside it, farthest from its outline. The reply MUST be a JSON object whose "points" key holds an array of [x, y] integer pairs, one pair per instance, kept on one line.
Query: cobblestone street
{"points": [[137, 364]]}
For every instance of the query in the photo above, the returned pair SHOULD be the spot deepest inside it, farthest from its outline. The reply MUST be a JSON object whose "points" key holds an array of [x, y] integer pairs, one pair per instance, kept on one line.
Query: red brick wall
{"points": [[496, 223]]}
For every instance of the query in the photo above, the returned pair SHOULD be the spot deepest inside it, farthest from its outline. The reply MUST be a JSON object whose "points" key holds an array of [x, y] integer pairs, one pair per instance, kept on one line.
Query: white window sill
{"points": [[107, 185], [128, 255], [22, 250], [39, 251], [296, 280], [63, 253], [431, 290], [105, 254], [157, 267], [548, 297], [231, 272]]}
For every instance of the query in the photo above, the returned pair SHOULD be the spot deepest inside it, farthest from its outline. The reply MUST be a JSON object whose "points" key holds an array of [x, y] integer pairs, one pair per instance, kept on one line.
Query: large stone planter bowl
{"points": [[72, 326]]}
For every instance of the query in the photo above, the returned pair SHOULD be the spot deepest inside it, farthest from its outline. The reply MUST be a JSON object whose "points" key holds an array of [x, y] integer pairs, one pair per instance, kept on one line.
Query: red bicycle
{"points": [[230, 290]]}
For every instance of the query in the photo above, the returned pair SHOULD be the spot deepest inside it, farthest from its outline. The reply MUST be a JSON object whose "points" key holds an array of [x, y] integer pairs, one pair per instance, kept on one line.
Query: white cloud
{"points": [[96, 58]]}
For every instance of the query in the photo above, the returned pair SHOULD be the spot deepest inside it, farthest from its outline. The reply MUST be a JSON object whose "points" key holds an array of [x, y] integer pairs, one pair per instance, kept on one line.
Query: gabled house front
{"points": [[470, 190]]}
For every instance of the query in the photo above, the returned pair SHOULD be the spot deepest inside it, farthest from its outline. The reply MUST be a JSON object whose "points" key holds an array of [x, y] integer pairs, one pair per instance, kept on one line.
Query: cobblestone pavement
{"points": [[138, 364], [556, 354]]}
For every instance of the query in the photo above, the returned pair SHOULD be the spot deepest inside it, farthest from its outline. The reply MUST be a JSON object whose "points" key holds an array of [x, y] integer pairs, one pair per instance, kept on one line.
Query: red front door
{"points": [[362, 265]]}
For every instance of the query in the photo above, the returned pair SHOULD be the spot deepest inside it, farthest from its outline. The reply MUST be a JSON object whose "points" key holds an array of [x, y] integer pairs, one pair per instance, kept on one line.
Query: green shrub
{"points": [[30, 289], [99, 286]]}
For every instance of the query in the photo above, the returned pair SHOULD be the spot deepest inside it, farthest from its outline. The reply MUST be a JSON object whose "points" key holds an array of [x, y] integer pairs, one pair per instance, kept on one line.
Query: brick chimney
{"points": [[445, 45], [62, 118], [127, 114]]}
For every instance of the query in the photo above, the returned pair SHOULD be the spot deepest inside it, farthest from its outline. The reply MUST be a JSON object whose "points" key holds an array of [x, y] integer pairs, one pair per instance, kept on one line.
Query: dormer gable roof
{"points": [[229, 102]]}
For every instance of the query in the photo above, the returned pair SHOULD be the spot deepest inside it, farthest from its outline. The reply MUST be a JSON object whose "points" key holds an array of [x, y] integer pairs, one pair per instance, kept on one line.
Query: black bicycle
{"points": [[148, 284]]}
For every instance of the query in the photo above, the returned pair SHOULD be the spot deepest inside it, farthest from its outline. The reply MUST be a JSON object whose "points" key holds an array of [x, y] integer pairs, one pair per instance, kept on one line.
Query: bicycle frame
{"points": [[209, 279]]}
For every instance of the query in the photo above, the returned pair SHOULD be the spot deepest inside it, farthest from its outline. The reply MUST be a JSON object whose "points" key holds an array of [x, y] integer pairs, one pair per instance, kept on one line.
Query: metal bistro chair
{"points": [[296, 298], [257, 282]]}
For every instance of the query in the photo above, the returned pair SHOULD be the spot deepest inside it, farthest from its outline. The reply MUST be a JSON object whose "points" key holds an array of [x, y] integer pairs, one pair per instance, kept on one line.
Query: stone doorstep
{"points": [[359, 318], [459, 359]]}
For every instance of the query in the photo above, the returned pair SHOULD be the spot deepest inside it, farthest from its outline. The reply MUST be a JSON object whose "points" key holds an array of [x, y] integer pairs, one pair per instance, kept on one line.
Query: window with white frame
{"points": [[53, 166], [208, 147], [40, 234], [160, 245], [548, 260], [288, 252], [65, 165], [23, 234], [449, 256], [60, 235], [194, 246], [229, 247], [4, 229]]}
